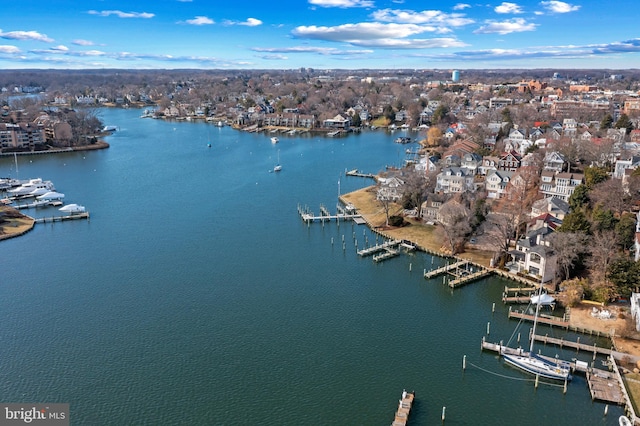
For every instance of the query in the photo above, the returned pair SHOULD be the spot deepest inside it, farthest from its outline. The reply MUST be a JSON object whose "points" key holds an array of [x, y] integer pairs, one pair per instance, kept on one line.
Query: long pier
{"points": [[84, 215]]}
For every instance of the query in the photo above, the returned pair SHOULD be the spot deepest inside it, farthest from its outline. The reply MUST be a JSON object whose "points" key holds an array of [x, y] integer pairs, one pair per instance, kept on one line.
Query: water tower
{"points": [[455, 76]]}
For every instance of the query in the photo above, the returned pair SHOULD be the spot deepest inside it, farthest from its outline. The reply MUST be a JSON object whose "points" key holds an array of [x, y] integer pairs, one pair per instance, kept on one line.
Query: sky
{"points": [[320, 34]]}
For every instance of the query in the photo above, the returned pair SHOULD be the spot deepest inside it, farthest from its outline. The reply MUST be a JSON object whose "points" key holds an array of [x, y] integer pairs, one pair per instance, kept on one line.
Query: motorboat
{"points": [[30, 186], [275, 140], [52, 195], [72, 208]]}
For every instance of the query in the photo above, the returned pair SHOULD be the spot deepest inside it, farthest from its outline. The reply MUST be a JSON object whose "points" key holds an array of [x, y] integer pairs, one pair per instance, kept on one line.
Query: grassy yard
{"points": [[426, 236]]}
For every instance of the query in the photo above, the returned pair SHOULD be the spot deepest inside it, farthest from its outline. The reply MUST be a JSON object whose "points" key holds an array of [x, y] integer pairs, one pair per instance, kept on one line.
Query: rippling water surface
{"points": [[196, 295]]}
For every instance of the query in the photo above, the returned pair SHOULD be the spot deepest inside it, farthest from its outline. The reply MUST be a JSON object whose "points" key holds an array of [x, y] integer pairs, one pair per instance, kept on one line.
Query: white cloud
{"points": [[361, 31], [517, 25], [9, 49], [60, 48], [431, 17], [559, 6], [311, 49], [461, 6], [81, 42], [200, 20], [250, 22], [377, 35], [506, 7], [342, 3], [121, 14], [25, 35], [548, 52]]}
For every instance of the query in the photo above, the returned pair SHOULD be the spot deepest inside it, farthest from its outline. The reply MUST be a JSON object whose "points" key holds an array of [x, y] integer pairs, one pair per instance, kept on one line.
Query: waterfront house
{"points": [[338, 122], [390, 189], [533, 256]]}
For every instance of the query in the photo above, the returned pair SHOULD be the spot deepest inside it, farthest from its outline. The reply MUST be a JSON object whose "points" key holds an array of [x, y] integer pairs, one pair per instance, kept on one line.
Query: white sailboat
{"points": [[278, 167], [535, 364]]}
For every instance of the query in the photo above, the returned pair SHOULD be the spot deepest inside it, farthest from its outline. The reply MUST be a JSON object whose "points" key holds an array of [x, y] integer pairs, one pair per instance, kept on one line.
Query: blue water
{"points": [[196, 295]]}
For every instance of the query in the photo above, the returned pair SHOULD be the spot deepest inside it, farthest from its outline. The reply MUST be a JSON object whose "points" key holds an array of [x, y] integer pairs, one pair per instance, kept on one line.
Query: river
{"points": [[196, 295]]}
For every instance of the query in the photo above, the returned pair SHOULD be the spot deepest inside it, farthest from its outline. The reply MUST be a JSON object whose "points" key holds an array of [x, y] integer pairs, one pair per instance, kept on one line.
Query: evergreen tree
{"points": [[624, 123], [606, 122], [579, 198], [575, 221], [593, 175]]}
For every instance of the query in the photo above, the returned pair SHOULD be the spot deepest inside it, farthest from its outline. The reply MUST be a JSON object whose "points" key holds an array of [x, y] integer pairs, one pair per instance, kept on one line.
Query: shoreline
{"points": [[16, 225], [92, 147]]}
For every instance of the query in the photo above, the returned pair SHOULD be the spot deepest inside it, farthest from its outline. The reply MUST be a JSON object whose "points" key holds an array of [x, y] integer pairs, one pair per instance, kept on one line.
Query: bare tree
{"points": [[454, 218], [603, 249], [610, 193], [568, 247]]}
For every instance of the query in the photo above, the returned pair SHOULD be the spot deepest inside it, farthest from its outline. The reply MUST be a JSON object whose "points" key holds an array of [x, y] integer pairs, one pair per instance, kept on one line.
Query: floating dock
{"points": [[404, 409]]}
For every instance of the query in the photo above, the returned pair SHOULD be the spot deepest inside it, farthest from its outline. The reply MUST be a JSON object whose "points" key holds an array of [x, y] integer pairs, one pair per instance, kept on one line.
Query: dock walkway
{"points": [[379, 247], [404, 409], [463, 271], [356, 173], [387, 254], [84, 215]]}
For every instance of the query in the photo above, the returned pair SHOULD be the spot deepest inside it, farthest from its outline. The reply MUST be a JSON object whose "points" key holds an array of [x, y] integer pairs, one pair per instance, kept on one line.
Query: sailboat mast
{"points": [[535, 320]]}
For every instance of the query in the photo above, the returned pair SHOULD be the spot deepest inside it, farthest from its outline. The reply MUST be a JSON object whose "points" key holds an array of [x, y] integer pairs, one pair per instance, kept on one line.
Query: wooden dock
{"points": [[445, 269], [604, 386], [542, 319], [519, 290], [522, 300], [308, 216], [467, 278], [404, 409], [463, 271], [379, 247], [387, 254], [356, 173], [84, 215]]}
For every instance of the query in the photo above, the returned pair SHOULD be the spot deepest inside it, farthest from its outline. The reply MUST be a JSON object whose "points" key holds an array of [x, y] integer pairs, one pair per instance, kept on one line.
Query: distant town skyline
{"points": [[322, 34]]}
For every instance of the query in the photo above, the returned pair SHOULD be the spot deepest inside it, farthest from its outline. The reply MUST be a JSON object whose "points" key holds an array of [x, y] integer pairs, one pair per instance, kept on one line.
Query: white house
{"points": [[559, 185], [453, 180], [496, 183]]}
